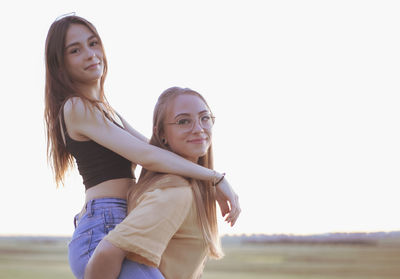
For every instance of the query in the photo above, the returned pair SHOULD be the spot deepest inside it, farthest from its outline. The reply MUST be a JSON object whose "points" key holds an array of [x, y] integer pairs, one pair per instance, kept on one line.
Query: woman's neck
{"points": [[91, 91]]}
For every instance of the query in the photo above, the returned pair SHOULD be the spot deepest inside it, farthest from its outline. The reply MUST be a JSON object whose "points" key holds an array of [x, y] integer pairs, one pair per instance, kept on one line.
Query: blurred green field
{"points": [[44, 258]]}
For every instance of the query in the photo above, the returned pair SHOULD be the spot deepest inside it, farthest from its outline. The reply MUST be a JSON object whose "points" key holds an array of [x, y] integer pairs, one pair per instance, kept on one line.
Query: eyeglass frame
{"points": [[198, 119]]}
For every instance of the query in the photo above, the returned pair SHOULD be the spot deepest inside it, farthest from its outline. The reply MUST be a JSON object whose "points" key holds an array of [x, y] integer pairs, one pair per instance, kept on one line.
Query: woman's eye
{"points": [[205, 118], [94, 43], [184, 121], [74, 50]]}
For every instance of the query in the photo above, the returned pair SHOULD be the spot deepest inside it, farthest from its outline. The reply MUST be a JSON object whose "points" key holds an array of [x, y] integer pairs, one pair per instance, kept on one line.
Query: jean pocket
{"points": [[113, 217]]}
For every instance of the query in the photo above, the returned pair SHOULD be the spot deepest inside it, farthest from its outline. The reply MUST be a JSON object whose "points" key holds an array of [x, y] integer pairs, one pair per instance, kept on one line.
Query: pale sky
{"points": [[306, 94]]}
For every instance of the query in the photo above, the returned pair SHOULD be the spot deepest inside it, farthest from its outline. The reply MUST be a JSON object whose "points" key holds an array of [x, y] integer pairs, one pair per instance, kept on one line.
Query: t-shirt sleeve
{"points": [[148, 228]]}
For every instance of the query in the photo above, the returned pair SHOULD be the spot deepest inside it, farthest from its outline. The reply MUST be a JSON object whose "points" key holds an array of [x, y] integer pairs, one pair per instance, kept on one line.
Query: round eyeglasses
{"points": [[186, 123]]}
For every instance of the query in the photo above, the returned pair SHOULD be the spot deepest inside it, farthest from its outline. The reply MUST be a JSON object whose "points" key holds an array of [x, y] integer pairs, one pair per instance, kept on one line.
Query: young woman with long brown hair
{"points": [[81, 125], [172, 222]]}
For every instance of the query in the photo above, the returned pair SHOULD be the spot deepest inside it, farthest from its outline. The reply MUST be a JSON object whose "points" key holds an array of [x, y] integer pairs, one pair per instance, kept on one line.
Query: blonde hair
{"points": [[204, 192]]}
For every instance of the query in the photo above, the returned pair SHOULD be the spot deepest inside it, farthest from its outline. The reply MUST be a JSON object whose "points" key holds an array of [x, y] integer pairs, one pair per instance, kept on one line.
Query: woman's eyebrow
{"points": [[182, 114], [72, 44], [78, 43], [91, 37], [203, 111], [188, 114]]}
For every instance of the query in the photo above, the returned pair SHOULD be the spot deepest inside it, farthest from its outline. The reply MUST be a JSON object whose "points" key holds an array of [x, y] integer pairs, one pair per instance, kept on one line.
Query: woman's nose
{"points": [[197, 126], [90, 53]]}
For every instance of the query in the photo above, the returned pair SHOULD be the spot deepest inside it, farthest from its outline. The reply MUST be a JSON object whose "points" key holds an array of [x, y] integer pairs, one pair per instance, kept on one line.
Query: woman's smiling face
{"points": [[188, 127], [83, 55]]}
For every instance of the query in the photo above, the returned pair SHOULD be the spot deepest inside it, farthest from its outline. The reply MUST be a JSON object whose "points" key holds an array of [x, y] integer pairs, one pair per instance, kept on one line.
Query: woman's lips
{"points": [[92, 66], [198, 141]]}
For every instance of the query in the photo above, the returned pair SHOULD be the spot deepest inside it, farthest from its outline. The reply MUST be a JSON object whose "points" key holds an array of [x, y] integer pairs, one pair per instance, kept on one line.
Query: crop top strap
{"points": [[114, 120]]}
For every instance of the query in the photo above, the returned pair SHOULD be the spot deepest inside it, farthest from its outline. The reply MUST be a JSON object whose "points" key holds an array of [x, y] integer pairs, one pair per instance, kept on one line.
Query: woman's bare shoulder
{"points": [[75, 106]]}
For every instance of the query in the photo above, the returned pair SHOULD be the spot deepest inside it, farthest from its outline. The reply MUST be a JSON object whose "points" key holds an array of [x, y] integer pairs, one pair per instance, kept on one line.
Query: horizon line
{"points": [[222, 235]]}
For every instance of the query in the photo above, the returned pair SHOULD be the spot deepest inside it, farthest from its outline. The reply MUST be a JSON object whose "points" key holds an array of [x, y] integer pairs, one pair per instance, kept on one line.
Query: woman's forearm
{"points": [[175, 164], [105, 262], [160, 160]]}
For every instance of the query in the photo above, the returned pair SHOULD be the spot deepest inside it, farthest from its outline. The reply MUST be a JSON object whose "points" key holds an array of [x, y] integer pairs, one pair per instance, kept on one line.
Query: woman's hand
{"points": [[228, 201]]}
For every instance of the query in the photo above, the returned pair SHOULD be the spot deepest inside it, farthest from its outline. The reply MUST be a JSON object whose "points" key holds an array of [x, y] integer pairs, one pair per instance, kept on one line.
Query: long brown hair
{"points": [[204, 192], [59, 88]]}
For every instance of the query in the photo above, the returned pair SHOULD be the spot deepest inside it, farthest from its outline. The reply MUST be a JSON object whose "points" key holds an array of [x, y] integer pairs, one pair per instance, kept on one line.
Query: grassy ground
{"points": [[289, 261], [47, 258]]}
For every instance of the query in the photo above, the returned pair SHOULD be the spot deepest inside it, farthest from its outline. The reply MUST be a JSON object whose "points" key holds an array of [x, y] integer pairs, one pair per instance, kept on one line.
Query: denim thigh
{"points": [[134, 270], [101, 216]]}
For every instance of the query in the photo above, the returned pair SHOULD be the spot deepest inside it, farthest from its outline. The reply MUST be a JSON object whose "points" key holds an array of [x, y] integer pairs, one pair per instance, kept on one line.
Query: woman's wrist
{"points": [[217, 178]]}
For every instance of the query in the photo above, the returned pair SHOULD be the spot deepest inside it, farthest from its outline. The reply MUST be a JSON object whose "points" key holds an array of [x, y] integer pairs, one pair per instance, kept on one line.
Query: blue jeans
{"points": [[100, 217]]}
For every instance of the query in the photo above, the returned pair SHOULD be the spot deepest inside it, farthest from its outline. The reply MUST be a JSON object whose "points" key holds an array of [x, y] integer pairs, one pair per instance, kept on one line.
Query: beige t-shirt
{"points": [[163, 230]]}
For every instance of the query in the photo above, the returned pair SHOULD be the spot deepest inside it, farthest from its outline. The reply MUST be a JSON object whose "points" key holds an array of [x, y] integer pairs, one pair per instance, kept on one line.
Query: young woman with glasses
{"points": [[172, 221]]}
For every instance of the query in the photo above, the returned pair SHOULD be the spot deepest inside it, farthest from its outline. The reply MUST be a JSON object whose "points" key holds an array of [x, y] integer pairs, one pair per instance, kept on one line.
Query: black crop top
{"points": [[96, 163]]}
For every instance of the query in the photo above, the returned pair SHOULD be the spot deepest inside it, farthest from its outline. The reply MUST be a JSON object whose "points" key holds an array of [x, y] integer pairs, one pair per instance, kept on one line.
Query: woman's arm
{"points": [[85, 123], [105, 262]]}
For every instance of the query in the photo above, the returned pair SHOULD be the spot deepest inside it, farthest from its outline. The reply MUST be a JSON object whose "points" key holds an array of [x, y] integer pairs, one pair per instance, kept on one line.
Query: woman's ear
{"points": [[161, 135]]}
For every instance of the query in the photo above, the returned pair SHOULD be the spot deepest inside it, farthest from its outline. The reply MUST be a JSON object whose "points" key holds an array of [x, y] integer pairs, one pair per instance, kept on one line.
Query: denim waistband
{"points": [[98, 204], [104, 203]]}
